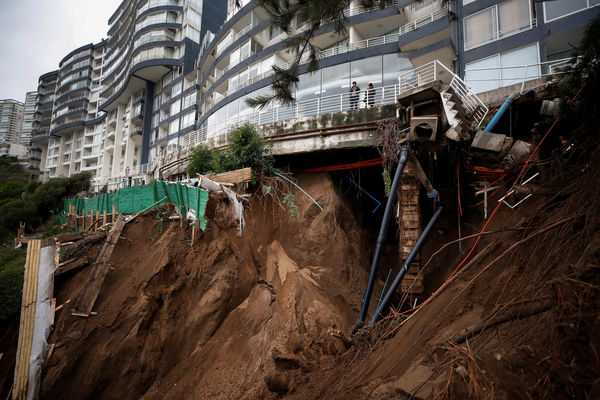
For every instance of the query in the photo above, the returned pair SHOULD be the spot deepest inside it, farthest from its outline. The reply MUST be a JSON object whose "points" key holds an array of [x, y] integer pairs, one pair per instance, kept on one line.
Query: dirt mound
{"points": [[231, 318], [265, 315]]}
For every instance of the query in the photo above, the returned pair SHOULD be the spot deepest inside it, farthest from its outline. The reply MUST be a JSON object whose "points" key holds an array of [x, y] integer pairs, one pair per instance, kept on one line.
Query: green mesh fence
{"points": [[132, 200]]}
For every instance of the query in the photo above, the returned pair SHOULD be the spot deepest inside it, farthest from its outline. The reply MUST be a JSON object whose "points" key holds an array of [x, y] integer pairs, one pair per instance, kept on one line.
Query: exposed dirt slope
{"points": [[257, 317], [231, 318]]}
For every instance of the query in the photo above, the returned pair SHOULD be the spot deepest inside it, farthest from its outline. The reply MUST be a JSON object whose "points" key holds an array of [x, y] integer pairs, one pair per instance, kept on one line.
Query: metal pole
{"points": [[380, 239], [485, 201], [388, 296]]}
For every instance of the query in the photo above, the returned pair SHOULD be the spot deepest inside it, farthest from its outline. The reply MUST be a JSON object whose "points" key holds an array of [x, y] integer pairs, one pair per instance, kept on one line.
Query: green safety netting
{"points": [[132, 200]]}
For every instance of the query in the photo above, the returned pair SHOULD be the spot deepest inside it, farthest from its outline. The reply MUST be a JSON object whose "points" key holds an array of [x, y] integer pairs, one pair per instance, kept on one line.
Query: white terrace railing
{"points": [[511, 75], [309, 108], [436, 71]]}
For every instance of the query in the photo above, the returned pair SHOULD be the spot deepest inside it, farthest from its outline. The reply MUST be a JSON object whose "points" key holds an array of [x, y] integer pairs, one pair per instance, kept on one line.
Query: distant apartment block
{"points": [[28, 117], [11, 120]]}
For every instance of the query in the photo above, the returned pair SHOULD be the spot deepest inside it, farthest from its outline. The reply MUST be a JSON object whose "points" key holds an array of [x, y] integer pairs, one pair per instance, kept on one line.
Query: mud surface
{"points": [[268, 315]]}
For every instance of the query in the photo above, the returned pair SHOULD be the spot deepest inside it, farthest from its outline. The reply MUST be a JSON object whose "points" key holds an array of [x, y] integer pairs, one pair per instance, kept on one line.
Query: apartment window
{"points": [[175, 107], [245, 51], [194, 17], [192, 33], [176, 89], [188, 120], [189, 100], [174, 126], [503, 69], [497, 22], [561, 8], [274, 31]]}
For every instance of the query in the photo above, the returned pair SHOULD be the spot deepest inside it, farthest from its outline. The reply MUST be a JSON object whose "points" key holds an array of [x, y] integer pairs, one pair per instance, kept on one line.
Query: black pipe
{"points": [[431, 192], [388, 296], [380, 239]]}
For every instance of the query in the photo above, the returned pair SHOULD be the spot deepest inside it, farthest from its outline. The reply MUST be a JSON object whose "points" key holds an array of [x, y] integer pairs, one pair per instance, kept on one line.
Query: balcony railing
{"points": [[155, 4], [522, 74], [435, 14], [436, 71], [309, 108], [226, 43]]}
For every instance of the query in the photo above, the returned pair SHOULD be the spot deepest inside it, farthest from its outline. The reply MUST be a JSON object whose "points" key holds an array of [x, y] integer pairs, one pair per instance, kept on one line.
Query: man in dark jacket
{"points": [[354, 94]]}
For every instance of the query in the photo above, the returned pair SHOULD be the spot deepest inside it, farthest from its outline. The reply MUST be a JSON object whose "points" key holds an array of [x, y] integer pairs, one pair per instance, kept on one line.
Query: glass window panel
{"points": [[233, 109], [513, 16], [524, 56], [246, 111], [309, 86], [480, 28], [221, 115], [173, 126], [558, 8], [481, 81], [336, 79], [175, 107], [367, 71], [394, 65]]}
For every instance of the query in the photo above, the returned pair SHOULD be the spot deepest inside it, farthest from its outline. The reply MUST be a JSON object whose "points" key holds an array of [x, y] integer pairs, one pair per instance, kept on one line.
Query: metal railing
{"points": [[309, 108], [512, 75], [435, 14], [436, 71], [226, 43]]}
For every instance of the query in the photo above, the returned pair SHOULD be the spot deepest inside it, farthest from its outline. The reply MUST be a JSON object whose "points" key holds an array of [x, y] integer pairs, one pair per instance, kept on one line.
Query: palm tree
{"points": [[318, 13]]}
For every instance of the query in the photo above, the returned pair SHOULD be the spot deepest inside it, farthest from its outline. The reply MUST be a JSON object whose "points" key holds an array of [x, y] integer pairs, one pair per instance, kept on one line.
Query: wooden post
{"points": [[83, 224], [193, 233], [105, 219], [97, 219], [91, 218], [114, 215]]}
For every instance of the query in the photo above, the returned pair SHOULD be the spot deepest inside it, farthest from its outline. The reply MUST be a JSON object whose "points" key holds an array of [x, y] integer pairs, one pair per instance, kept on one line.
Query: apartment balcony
{"points": [[162, 3]]}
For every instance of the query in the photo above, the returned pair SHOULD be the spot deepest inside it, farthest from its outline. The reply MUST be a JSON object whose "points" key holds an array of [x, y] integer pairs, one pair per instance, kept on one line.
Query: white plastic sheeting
{"points": [[44, 319]]}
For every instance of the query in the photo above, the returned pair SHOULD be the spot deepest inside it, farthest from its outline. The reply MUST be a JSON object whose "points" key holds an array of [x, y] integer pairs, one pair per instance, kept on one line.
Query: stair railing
{"points": [[436, 71]]}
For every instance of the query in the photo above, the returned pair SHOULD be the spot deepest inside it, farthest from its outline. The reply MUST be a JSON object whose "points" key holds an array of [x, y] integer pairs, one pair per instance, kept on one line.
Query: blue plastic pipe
{"points": [[500, 112]]}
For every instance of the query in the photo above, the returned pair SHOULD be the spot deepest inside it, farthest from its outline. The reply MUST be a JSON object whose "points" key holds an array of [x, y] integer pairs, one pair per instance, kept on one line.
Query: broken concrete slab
{"points": [[518, 153], [488, 141]]}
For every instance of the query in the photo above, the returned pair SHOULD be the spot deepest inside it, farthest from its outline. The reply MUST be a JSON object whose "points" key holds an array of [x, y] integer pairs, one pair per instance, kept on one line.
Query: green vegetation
{"points": [[582, 78], [12, 263], [10, 170], [316, 13], [246, 149], [31, 202]]}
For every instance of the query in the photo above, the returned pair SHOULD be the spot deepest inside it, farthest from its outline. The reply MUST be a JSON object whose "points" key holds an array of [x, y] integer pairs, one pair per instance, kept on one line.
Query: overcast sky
{"points": [[36, 34]]}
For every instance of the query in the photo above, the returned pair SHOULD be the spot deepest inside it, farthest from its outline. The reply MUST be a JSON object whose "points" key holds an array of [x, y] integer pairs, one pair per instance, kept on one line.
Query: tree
{"points": [[583, 76], [201, 160], [318, 13], [246, 149]]}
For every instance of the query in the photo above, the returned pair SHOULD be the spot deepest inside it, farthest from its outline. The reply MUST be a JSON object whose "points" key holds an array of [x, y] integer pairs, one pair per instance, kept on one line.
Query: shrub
{"points": [[12, 262], [246, 149]]}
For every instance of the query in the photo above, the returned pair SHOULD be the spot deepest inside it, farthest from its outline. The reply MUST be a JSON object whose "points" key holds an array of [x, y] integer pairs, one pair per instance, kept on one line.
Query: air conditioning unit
{"points": [[423, 128]]}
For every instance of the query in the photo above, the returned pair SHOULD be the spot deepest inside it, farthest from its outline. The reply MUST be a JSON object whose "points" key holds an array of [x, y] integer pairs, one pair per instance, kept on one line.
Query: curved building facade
{"points": [[237, 65], [176, 73], [152, 45]]}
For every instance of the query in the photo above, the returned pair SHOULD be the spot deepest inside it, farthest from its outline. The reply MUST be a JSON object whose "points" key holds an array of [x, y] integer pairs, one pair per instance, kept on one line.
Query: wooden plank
{"points": [[71, 266], [238, 176], [88, 296], [28, 306], [70, 237]]}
